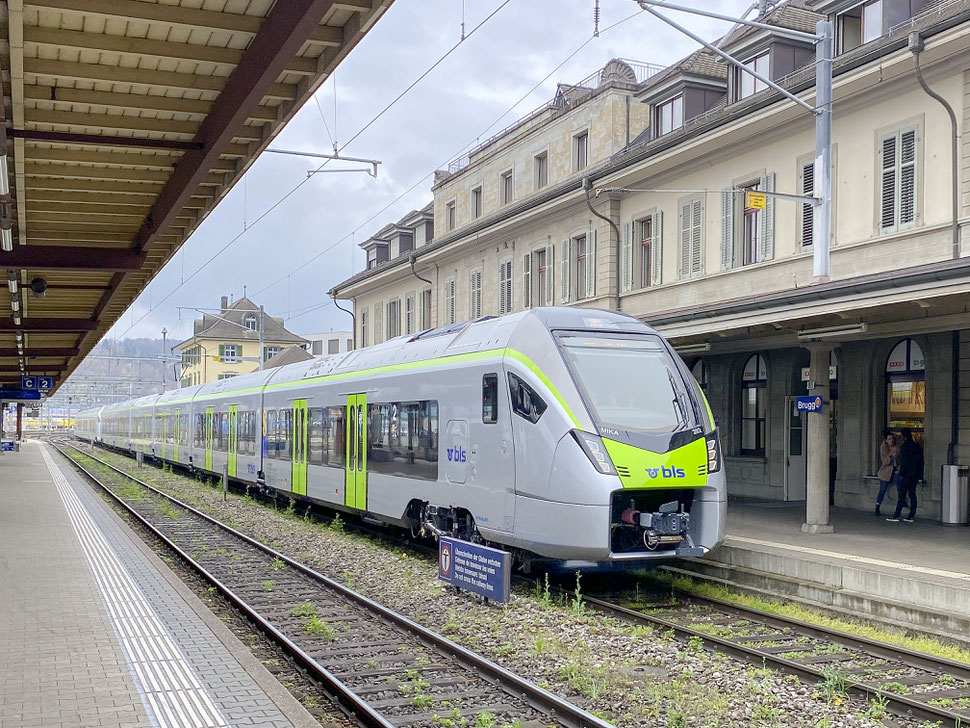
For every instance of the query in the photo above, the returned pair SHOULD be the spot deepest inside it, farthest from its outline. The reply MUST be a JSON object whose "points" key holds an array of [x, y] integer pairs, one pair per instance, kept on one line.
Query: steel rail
{"points": [[556, 707], [901, 705]]}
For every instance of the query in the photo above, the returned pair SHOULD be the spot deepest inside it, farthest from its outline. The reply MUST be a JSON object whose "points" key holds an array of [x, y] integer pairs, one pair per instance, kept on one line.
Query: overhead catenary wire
{"points": [[297, 187], [474, 141]]}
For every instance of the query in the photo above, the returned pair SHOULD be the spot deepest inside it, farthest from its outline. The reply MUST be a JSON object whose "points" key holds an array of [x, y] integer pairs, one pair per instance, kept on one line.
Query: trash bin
{"points": [[956, 495]]}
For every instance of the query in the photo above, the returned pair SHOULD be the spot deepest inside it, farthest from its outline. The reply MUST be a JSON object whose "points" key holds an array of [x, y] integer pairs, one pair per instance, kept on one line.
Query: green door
{"points": [[233, 438], [298, 481], [177, 433], [208, 438], [355, 481]]}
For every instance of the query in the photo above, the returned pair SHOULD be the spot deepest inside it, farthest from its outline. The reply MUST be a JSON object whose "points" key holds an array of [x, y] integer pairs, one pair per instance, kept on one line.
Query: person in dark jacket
{"points": [[910, 473]]}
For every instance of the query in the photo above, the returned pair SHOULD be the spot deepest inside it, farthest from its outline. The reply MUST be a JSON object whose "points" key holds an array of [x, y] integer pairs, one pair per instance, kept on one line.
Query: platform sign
{"points": [[28, 382], [479, 569], [45, 384], [8, 446], [808, 404]]}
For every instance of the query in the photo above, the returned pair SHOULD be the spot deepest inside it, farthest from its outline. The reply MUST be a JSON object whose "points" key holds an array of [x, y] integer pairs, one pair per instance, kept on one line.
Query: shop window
{"points": [[754, 382], [906, 388]]}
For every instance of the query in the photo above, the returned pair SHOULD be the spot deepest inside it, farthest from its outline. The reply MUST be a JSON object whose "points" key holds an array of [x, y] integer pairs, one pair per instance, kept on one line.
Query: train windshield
{"points": [[630, 382]]}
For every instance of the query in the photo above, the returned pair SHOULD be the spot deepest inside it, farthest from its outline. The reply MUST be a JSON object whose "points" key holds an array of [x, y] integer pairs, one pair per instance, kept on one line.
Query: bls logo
{"points": [[456, 454], [666, 472]]}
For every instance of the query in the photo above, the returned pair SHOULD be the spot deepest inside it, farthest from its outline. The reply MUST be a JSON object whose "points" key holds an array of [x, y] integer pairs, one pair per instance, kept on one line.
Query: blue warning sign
{"points": [[479, 569]]}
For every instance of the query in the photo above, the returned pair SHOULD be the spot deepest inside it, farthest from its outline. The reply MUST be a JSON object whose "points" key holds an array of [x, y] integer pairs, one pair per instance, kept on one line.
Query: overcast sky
{"points": [[470, 95]]}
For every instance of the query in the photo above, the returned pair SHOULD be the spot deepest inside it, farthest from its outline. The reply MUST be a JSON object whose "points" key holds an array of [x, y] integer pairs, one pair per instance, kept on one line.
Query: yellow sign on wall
{"points": [[755, 200]]}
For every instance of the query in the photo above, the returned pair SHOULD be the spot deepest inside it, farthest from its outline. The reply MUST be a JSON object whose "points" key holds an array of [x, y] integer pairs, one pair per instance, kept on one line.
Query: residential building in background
{"points": [[331, 342], [664, 232], [226, 344]]}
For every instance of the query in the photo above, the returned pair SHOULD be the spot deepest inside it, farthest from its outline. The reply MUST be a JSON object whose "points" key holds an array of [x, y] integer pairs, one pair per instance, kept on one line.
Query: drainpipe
{"points": [[916, 45], [587, 186], [353, 317], [412, 260]]}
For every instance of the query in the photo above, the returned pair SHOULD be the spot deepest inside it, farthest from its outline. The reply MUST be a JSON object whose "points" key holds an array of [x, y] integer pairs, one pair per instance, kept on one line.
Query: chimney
{"points": [[225, 303]]}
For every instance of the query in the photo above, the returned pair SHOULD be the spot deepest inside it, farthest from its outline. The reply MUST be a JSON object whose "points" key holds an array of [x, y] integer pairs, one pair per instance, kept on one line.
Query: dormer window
{"points": [[861, 24], [251, 322], [670, 115], [747, 85]]}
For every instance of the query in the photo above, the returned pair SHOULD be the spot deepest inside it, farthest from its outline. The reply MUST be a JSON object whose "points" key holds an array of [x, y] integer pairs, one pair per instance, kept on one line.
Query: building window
{"points": [[363, 329], [691, 237], [378, 323], [898, 155], [670, 115], [229, 352], [542, 277], [747, 85], [409, 314], [477, 203], [251, 322], [645, 267], [754, 381], [865, 22], [540, 163], [906, 388], [751, 225], [393, 318], [333, 346], [449, 300], [269, 352], [227, 375], [505, 187], [451, 215], [505, 287], [581, 150], [579, 245], [316, 347], [426, 309], [475, 294]]}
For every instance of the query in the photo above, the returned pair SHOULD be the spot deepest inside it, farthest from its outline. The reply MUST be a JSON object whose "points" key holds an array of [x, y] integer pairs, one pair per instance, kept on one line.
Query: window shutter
{"points": [[378, 322], [222, 350], [727, 230], [808, 211], [508, 286], [591, 264], [527, 280], [907, 177], [766, 241], [656, 249], [450, 291], [564, 271], [550, 275], [887, 207], [626, 258], [471, 296], [685, 240], [264, 353], [697, 222], [504, 287]]}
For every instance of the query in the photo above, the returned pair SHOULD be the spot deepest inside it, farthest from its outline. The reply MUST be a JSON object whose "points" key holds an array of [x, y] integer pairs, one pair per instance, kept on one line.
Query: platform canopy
{"points": [[124, 123]]}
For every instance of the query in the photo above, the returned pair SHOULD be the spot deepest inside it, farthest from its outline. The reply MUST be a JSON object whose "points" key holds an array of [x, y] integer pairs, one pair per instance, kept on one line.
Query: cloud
{"points": [[455, 104]]}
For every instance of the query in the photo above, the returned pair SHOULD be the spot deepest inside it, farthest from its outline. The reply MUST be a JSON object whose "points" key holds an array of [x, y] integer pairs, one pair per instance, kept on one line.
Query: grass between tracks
{"points": [[793, 610]]}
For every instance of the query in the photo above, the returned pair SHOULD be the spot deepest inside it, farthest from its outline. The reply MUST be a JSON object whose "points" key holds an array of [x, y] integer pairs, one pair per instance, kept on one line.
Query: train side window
{"points": [[336, 436], [525, 402], [317, 442], [199, 429], [271, 443], [490, 399], [285, 436]]}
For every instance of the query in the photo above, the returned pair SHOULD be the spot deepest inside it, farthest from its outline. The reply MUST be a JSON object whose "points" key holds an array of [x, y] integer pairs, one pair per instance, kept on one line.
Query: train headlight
{"points": [[596, 451], [713, 453]]}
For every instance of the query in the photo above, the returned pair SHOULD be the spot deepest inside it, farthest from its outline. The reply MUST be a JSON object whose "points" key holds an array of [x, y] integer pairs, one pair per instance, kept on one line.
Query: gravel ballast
{"points": [[630, 675]]}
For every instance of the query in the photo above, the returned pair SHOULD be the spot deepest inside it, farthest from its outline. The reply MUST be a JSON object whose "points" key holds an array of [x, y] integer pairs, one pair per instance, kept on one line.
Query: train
{"points": [[560, 434]]}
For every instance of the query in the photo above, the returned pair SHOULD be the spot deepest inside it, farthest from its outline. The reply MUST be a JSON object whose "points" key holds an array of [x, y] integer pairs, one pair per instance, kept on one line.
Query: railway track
{"points": [[912, 684], [382, 669]]}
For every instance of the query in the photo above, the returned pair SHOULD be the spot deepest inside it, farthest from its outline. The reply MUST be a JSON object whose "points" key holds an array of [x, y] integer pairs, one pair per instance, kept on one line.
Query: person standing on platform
{"points": [[888, 454], [910, 473]]}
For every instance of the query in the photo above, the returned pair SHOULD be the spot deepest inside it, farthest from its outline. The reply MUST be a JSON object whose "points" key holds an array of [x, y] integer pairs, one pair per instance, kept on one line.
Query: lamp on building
{"points": [[693, 348], [829, 332]]}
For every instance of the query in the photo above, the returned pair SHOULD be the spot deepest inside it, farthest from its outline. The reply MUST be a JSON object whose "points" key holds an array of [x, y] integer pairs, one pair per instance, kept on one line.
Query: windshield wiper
{"points": [[682, 422]]}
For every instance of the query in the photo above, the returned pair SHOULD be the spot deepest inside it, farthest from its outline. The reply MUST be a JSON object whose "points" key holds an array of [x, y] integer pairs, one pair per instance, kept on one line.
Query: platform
{"points": [[905, 574], [96, 631]]}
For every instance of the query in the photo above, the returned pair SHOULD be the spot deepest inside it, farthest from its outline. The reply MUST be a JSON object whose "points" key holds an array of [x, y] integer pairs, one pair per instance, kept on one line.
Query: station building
{"points": [[620, 193]]}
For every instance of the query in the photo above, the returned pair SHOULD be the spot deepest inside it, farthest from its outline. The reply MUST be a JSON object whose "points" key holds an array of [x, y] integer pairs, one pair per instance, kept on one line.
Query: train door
{"points": [[163, 436], [355, 482], [796, 465], [298, 480], [208, 437], [176, 434], [233, 449]]}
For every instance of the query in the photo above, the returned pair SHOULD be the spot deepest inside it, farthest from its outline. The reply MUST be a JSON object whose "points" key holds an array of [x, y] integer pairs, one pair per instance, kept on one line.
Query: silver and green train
{"points": [[559, 433]]}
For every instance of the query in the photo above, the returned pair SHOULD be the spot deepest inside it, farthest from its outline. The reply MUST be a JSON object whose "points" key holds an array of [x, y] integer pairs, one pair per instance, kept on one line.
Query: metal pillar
{"points": [[817, 491], [20, 421], [822, 212], [262, 359]]}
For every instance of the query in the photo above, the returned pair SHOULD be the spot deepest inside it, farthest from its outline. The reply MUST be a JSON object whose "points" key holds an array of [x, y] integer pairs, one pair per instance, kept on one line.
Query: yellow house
{"points": [[226, 344]]}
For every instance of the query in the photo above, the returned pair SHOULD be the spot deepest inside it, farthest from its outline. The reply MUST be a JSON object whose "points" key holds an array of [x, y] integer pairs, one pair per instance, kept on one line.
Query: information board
{"points": [[479, 569]]}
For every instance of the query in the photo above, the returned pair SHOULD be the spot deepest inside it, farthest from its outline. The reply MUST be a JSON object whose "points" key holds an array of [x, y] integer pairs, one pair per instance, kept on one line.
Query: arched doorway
{"points": [[906, 388]]}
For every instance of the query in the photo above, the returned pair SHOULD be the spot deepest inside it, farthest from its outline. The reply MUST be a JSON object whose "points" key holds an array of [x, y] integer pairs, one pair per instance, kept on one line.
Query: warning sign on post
{"points": [[479, 569]]}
